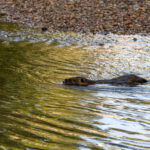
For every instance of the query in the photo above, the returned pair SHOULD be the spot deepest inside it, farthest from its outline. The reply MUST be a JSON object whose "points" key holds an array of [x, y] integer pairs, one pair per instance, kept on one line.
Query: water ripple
{"points": [[38, 112]]}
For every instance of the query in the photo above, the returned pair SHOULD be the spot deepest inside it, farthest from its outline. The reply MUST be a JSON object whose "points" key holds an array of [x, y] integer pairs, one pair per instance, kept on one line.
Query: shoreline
{"points": [[85, 16]]}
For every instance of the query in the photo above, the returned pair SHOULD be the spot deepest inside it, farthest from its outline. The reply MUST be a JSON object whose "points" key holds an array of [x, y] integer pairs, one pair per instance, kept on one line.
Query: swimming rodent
{"points": [[126, 80]]}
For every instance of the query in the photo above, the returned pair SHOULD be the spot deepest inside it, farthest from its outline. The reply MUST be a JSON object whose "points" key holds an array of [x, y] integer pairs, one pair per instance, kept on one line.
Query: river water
{"points": [[38, 112]]}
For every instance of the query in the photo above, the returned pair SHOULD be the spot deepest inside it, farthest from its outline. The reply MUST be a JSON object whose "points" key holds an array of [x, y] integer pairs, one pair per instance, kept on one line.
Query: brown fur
{"points": [[80, 81], [127, 80]]}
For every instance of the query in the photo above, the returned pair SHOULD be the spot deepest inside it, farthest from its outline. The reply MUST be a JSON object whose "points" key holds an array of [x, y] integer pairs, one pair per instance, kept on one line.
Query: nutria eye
{"points": [[82, 80]]}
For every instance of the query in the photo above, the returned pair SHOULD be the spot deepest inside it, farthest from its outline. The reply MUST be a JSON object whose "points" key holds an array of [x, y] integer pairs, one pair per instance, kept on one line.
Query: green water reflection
{"points": [[28, 96]]}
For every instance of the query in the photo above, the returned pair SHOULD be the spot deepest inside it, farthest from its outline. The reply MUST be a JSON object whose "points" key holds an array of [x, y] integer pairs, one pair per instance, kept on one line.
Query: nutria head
{"points": [[80, 81]]}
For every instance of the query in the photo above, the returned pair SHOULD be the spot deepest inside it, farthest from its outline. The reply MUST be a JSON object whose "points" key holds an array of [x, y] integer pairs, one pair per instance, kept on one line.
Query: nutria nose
{"points": [[64, 81]]}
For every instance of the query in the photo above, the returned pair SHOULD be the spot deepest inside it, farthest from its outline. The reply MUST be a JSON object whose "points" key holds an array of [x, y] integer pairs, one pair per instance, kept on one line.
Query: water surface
{"points": [[38, 112]]}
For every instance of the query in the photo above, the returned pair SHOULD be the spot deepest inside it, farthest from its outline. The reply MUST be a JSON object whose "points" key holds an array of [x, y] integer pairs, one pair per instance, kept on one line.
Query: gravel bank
{"points": [[104, 16]]}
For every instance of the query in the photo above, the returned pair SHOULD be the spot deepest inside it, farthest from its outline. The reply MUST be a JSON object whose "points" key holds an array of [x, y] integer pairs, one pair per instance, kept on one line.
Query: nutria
{"points": [[127, 80]]}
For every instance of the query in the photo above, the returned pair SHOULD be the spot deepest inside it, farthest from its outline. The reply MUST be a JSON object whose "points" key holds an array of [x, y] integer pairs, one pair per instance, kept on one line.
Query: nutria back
{"points": [[127, 80]]}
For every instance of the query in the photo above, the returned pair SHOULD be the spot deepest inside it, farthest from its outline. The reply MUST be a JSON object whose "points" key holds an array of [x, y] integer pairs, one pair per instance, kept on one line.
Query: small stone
{"points": [[44, 29]]}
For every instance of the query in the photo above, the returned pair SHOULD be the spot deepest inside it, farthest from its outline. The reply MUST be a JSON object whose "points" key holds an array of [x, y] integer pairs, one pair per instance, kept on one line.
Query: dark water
{"points": [[38, 112]]}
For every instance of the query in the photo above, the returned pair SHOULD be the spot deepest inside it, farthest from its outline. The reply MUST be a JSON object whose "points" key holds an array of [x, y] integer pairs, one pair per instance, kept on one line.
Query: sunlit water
{"points": [[38, 112]]}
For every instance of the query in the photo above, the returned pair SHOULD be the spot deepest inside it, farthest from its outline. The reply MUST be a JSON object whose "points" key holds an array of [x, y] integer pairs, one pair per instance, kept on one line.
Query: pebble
{"points": [[95, 16]]}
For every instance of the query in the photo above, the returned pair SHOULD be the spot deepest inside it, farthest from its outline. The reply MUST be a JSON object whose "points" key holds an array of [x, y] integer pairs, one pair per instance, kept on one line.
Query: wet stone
{"points": [[44, 29]]}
